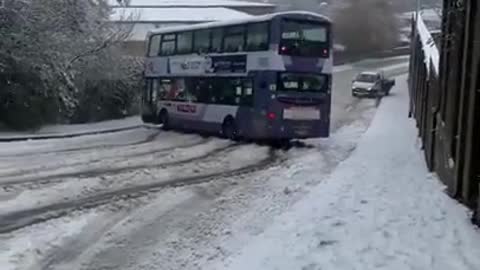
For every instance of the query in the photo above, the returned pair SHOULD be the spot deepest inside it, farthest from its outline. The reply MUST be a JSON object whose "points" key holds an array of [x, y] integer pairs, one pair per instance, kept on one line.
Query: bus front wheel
{"points": [[164, 120], [229, 129]]}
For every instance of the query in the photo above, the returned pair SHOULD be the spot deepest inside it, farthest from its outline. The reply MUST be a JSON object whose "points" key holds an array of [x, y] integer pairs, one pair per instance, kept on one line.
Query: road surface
{"points": [[148, 199]]}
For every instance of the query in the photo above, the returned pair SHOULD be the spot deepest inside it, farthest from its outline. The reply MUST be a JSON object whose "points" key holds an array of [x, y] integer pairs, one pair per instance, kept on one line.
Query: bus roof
{"points": [[252, 19]]}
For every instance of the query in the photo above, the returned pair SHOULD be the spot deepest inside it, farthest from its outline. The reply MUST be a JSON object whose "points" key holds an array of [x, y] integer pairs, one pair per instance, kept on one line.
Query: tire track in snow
{"points": [[20, 219], [90, 162], [32, 183], [148, 139]]}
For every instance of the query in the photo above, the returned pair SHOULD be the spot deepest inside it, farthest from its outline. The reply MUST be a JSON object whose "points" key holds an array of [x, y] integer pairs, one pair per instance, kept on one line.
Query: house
{"points": [[142, 16], [252, 8]]}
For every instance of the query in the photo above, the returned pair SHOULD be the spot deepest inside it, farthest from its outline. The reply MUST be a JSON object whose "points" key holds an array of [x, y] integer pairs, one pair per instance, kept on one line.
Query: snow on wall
{"points": [[432, 54]]}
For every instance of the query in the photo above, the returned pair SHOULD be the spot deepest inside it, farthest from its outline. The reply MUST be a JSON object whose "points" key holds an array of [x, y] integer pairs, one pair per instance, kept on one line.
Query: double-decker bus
{"points": [[266, 77]]}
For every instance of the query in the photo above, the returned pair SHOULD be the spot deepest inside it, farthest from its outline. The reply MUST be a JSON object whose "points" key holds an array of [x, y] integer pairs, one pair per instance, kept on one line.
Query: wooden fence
{"points": [[444, 87]]}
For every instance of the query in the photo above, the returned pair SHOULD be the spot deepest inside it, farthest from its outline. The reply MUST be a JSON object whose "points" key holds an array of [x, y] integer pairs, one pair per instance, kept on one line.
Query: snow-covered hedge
{"points": [[52, 52]]}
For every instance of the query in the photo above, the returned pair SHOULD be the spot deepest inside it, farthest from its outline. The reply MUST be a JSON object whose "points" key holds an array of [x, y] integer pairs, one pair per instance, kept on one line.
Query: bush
{"points": [[24, 103], [366, 26], [60, 62], [102, 100]]}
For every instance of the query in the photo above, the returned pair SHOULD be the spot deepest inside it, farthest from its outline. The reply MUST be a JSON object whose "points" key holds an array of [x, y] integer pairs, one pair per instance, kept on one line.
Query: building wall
{"points": [[135, 48]]}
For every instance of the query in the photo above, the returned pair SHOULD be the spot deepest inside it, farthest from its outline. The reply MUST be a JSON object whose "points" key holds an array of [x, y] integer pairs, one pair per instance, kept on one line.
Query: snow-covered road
{"points": [[145, 199]]}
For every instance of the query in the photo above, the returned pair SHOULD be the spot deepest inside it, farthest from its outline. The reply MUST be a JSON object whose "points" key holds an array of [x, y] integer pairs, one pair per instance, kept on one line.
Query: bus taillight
{"points": [[325, 52]]}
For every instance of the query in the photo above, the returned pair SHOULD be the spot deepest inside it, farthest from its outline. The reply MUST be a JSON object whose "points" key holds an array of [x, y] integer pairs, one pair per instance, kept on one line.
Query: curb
{"points": [[72, 135]]}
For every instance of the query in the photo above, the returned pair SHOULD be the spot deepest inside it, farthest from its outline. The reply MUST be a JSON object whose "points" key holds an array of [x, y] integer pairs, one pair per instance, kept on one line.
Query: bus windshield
{"points": [[302, 82], [304, 38]]}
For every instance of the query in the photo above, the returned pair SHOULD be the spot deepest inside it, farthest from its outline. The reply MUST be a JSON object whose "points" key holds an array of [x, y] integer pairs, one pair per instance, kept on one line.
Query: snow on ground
{"points": [[109, 124], [75, 128], [12, 149], [379, 209], [167, 146], [24, 249], [218, 217], [137, 223], [72, 188]]}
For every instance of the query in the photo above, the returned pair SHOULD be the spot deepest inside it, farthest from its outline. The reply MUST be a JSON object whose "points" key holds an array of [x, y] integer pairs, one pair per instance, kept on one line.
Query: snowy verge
{"points": [[70, 131], [380, 208]]}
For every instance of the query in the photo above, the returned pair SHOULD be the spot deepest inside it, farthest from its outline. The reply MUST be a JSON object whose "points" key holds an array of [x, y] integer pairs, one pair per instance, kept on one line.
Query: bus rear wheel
{"points": [[229, 129], [164, 120]]}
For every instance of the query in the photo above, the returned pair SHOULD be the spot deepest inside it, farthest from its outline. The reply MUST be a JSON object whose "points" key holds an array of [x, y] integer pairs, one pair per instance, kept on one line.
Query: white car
{"points": [[371, 84]]}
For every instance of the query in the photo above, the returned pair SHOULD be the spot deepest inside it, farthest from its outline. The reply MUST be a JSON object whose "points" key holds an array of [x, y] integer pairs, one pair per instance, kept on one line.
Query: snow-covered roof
{"points": [[432, 55], [191, 3], [163, 15], [427, 14], [233, 21]]}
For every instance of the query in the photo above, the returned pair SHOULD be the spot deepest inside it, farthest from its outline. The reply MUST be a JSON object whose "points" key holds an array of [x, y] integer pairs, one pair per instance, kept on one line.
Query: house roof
{"points": [[175, 15], [190, 3]]}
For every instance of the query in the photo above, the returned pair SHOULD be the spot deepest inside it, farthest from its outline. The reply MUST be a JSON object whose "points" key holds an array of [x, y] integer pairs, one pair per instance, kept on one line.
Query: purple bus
{"points": [[267, 77]]}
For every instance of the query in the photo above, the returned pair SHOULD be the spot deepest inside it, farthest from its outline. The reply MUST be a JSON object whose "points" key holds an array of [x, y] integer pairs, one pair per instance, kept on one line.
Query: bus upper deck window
{"points": [[257, 37], [154, 45], [202, 41]]}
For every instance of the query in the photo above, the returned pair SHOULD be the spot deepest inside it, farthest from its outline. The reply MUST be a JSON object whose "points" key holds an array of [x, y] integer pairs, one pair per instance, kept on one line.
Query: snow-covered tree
{"points": [[366, 26], [55, 41]]}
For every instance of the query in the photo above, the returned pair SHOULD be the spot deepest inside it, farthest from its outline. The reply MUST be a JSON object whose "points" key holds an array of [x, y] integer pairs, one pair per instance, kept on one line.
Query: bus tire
{"points": [[164, 120], [229, 129]]}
